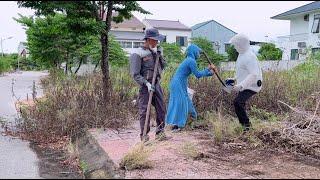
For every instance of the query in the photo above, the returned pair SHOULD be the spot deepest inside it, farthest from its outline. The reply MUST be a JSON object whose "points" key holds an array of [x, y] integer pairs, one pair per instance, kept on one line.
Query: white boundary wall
{"points": [[265, 65]]}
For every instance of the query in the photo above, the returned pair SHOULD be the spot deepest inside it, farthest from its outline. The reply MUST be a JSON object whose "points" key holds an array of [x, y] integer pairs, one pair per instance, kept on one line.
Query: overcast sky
{"points": [[249, 17]]}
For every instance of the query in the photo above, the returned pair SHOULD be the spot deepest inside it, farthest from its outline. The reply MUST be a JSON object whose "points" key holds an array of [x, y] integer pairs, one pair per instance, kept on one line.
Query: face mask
{"points": [[153, 49]]}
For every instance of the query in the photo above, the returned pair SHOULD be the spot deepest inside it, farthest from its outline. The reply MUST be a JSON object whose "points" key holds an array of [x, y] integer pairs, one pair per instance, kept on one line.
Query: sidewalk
{"points": [[170, 159], [117, 144]]}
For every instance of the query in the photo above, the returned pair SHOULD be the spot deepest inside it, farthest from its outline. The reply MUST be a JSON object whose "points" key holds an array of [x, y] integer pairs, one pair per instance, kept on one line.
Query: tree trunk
{"points": [[66, 69], [105, 51], [67, 63], [95, 68], [70, 68], [80, 63]]}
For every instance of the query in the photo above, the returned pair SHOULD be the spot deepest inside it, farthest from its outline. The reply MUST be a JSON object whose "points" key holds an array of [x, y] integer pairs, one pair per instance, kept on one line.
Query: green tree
{"points": [[117, 56], [207, 47], [49, 40], [79, 11], [268, 51], [232, 53], [172, 52], [74, 51]]}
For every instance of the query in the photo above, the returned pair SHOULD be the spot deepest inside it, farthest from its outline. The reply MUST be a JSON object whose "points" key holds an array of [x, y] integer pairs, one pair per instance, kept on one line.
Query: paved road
{"points": [[17, 160]]}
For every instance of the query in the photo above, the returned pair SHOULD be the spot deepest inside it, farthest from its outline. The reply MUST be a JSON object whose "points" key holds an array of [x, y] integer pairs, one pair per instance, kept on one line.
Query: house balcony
{"points": [[294, 38], [299, 40], [305, 37], [298, 44]]}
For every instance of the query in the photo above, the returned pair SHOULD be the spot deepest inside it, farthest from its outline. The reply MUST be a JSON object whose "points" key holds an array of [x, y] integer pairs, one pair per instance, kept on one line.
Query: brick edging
{"points": [[96, 160]]}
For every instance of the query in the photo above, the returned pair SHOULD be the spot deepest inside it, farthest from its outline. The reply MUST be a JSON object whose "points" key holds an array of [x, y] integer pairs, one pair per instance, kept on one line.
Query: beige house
{"points": [[129, 33], [174, 31]]}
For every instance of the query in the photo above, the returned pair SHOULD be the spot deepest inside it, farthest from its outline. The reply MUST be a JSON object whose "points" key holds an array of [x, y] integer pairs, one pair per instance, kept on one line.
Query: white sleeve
{"points": [[252, 66]]}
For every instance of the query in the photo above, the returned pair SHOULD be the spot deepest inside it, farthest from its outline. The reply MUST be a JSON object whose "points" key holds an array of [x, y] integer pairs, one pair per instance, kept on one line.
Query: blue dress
{"points": [[180, 105]]}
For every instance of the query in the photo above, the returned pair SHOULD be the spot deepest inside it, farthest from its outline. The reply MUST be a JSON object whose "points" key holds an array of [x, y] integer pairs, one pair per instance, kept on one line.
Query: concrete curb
{"points": [[96, 161]]}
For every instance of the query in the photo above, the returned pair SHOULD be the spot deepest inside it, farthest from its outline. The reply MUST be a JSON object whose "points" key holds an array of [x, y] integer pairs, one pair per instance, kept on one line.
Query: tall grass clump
{"points": [[73, 104]]}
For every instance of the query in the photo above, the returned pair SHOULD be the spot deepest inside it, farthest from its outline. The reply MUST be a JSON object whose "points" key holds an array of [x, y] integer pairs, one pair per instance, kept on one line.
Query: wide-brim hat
{"points": [[153, 34]]}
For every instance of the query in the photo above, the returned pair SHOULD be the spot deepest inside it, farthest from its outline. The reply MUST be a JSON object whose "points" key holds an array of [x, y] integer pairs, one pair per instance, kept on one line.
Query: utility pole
{"points": [[1, 47], [3, 39], [266, 38]]}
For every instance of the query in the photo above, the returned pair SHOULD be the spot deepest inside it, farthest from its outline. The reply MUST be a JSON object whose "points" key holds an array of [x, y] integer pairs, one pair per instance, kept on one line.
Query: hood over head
{"points": [[241, 43], [193, 51]]}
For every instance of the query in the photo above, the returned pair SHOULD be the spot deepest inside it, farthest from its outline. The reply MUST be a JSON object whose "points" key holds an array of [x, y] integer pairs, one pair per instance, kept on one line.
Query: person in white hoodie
{"points": [[248, 77]]}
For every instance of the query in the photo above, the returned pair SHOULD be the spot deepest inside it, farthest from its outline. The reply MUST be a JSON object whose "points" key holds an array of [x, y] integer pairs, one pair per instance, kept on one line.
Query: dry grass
{"points": [[221, 127], [189, 150], [74, 104], [299, 132], [294, 87], [137, 158]]}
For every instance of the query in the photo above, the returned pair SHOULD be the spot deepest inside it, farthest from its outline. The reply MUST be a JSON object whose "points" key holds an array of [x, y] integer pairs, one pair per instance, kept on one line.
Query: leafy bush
{"points": [[172, 53], [117, 56], [13, 61], [232, 53], [268, 51], [5, 64], [207, 47]]}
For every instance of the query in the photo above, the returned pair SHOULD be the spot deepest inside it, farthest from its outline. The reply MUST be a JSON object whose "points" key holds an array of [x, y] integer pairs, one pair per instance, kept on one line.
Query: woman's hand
{"points": [[213, 69]]}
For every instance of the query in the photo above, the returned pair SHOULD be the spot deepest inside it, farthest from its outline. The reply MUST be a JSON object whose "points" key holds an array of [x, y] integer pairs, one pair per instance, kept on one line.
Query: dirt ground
{"points": [[176, 158]]}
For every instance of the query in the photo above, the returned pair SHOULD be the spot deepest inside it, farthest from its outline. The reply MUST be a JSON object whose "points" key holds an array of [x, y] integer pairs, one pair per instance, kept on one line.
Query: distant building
{"points": [[304, 31], [216, 33], [22, 50], [129, 33], [174, 31]]}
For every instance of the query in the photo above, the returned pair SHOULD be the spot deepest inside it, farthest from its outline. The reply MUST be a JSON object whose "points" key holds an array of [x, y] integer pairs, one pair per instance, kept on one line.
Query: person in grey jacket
{"points": [[142, 63], [248, 77]]}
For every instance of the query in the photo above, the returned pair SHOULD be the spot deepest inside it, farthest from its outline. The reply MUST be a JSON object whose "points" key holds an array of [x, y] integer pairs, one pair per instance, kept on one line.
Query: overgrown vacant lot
{"points": [[284, 141], [193, 154]]}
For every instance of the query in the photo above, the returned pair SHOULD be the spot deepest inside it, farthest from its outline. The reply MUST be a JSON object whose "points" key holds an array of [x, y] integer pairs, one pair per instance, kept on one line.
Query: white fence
{"points": [[265, 65], [84, 68]]}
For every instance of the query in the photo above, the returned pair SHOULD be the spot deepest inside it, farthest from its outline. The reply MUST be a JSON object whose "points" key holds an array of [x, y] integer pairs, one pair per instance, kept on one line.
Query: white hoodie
{"points": [[248, 71]]}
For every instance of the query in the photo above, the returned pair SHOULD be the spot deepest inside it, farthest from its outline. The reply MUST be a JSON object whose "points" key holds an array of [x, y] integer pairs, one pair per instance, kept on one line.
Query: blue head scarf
{"points": [[193, 51]]}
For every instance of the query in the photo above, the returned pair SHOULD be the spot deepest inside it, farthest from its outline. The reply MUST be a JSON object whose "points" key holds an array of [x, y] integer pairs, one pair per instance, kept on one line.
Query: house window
{"points": [[226, 47], [137, 44], [181, 40], [294, 54], [315, 26], [126, 44], [165, 39], [315, 50]]}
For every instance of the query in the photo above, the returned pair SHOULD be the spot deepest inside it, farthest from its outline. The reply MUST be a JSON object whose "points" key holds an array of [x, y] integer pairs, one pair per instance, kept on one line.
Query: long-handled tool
{"points": [[215, 72], [150, 97]]}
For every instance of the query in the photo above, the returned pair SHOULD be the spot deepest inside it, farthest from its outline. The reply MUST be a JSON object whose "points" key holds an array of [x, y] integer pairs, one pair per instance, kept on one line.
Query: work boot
{"points": [[145, 138], [175, 129], [161, 136], [247, 127]]}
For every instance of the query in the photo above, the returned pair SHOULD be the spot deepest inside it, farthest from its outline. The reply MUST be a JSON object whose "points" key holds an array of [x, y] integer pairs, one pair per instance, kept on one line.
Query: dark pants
{"points": [[157, 102], [240, 103]]}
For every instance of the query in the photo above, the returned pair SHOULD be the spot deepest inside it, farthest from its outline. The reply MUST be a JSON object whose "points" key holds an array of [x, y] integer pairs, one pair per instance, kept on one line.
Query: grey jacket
{"points": [[142, 63]]}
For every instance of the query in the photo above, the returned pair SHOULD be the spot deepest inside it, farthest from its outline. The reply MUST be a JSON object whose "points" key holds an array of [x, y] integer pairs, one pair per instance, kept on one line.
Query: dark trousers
{"points": [[240, 103], [157, 102]]}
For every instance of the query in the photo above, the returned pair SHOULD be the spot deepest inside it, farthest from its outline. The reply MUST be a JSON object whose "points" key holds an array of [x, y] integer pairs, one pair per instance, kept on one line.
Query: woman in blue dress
{"points": [[180, 105]]}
